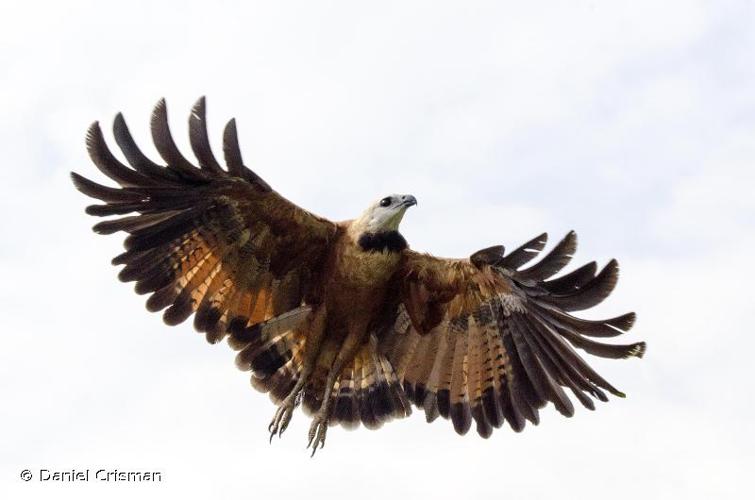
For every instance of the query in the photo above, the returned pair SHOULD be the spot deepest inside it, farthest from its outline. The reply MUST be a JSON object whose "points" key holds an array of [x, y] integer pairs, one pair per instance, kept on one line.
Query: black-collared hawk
{"points": [[342, 317]]}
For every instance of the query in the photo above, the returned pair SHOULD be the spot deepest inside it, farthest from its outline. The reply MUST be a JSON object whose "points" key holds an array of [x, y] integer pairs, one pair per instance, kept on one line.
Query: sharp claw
{"points": [[280, 421], [312, 434], [311, 437], [285, 420], [317, 432]]}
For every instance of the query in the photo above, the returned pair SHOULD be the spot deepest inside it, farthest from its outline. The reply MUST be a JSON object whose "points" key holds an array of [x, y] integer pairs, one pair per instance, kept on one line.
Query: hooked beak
{"points": [[408, 200]]}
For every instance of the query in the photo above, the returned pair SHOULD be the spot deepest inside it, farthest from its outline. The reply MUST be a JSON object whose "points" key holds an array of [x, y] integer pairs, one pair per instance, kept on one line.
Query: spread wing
{"points": [[484, 339], [218, 242]]}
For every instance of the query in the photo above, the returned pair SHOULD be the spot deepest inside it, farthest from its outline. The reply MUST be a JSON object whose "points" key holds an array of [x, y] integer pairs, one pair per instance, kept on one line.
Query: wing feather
{"points": [[167, 148], [552, 263], [511, 340], [136, 158], [208, 240], [200, 141]]}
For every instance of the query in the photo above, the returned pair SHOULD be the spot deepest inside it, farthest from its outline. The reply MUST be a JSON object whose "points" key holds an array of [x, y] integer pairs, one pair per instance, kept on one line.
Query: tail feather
{"points": [[367, 391]]}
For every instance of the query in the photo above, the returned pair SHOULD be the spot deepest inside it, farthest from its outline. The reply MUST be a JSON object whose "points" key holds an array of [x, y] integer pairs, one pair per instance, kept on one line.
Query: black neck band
{"points": [[391, 241]]}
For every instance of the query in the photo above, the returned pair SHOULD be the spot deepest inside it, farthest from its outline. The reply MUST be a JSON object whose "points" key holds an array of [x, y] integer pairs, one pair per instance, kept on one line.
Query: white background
{"points": [[630, 122]]}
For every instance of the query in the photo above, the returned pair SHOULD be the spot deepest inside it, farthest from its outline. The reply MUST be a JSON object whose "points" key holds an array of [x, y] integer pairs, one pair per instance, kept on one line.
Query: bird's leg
{"points": [[285, 410], [319, 427]]}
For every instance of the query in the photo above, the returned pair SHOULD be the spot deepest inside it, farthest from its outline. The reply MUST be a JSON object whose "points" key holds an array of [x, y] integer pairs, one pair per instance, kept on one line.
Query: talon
{"points": [[280, 420], [285, 420], [317, 432], [311, 437]]}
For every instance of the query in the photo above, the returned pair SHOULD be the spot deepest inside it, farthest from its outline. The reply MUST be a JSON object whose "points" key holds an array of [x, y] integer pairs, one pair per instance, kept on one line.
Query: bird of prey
{"points": [[342, 317]]}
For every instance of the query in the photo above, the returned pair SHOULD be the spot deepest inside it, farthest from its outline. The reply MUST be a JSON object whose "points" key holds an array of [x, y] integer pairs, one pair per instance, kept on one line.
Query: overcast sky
{"points": [[630, 122]]}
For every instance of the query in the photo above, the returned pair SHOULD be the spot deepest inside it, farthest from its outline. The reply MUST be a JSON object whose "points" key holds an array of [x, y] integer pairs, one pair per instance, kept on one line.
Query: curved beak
{"points": [[408, 200]]}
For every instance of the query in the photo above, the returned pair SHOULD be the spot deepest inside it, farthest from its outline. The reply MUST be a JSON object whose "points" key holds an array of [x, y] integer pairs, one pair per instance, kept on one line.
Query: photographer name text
{"points": [[90, 475]]}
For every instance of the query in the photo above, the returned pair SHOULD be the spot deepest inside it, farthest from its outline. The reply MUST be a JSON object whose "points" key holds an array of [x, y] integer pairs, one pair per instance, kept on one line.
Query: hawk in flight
{"points": [[342, 317]]}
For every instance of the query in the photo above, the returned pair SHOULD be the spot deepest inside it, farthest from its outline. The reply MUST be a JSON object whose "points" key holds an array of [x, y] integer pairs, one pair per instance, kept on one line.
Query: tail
{"points": [[367, 391]]}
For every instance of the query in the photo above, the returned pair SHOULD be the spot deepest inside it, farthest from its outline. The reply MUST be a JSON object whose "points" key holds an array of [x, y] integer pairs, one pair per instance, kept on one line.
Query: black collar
{"points": [[378, 242]]}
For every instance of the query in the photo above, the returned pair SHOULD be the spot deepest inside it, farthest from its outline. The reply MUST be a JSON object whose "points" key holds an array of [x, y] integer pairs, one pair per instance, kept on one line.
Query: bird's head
{"points": [[384, 215]]}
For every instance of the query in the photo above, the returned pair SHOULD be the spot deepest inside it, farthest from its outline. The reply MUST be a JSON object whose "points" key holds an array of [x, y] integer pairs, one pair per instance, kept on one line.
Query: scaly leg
{"points": [[285, 410], [319, 427]]}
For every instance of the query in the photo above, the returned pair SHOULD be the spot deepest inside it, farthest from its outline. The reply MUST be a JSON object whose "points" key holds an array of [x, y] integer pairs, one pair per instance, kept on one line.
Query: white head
{"points": [[384, 215]]}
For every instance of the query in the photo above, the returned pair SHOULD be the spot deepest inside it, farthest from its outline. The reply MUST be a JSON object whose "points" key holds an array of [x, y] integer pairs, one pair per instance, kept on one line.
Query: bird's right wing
{"points": [[212, 241]]}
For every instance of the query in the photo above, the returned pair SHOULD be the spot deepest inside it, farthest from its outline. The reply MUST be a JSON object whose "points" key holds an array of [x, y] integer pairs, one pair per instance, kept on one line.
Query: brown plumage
{"points": [[343, 317]]}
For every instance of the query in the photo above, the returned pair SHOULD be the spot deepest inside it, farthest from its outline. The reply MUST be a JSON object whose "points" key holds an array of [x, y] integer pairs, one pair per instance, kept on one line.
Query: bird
{"points": [[343, 318]]}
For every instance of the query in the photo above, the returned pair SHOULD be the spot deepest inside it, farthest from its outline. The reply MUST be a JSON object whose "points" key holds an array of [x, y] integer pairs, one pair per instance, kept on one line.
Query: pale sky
{"points": [[631, 122]]}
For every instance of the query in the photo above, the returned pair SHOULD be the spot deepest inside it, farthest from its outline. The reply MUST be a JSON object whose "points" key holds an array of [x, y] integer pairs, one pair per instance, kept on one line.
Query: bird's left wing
{"points": [[483, 339], [218, 242]]}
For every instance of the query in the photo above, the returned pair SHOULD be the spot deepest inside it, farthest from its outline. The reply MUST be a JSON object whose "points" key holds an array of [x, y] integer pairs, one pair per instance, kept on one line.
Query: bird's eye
{"points": [[385, 202]]}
